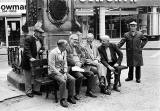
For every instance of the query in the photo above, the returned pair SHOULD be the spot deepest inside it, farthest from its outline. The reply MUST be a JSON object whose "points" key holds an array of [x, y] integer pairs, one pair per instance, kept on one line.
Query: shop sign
{"points": [[13, 7], [107, 0], [105, 3]]}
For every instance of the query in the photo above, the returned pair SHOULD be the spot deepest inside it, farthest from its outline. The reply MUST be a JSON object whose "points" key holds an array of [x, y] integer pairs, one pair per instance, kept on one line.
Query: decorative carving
{"points": [[58, 11], [32, 12]]}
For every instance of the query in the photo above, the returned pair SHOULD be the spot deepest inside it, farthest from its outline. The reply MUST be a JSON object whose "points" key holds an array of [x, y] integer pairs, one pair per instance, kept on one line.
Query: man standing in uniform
{"points": [[135, 41]]}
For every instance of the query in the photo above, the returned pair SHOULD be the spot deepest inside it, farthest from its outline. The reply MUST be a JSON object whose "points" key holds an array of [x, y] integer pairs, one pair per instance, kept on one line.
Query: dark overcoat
{"points": [[134, 46], [30, 50]]}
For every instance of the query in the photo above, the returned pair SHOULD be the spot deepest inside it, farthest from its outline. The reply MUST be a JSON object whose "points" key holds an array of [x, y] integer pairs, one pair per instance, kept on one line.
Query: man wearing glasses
{"points": [[135, 41], [76, 57]]}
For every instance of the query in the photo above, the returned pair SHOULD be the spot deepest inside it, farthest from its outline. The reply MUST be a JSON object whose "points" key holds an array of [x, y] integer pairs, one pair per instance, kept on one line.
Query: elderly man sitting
{"points": [[58, 70], [111, 57], [94, 61], [76, 57]]}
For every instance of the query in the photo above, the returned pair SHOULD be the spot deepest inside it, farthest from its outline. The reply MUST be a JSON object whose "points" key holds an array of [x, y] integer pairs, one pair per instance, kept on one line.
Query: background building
{"points": [[111, 17], [12, 17]]}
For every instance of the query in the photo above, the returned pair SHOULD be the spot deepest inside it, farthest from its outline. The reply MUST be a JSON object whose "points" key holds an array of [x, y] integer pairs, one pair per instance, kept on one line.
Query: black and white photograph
{"points": [[79, 55]]}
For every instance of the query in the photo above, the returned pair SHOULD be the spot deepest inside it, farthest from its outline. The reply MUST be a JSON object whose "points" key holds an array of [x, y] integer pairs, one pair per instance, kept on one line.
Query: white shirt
{"points": [[108, 54]]}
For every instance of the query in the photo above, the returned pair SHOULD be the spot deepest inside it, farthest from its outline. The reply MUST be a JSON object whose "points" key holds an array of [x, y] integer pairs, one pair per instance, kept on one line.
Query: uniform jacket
{"points": [[134, 46], [30, 50], [114, 50]]}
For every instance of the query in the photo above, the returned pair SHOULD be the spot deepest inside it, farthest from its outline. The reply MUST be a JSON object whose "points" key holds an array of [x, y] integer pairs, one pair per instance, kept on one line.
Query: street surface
{"points": [[133, 96]]}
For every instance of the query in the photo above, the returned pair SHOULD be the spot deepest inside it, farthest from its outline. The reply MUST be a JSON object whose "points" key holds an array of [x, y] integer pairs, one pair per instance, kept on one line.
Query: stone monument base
{"points": [[17, 80]]}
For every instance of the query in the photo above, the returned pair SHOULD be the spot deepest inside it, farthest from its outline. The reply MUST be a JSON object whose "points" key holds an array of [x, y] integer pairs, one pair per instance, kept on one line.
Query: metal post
{"points": [[120, 24]]}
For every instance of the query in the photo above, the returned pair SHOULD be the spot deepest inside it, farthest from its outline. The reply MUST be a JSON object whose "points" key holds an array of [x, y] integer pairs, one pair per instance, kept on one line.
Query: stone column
{"points": [[102, 21], [154, 21]]}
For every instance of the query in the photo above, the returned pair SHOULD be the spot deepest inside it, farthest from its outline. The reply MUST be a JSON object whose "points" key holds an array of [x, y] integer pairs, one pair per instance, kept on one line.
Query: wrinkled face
{"points": [[74, 41], [105, 42], [90, 40], [133, 27]]}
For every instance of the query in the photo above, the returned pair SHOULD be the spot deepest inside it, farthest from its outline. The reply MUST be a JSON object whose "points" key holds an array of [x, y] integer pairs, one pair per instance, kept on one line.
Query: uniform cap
{"points": [[133, 23]]}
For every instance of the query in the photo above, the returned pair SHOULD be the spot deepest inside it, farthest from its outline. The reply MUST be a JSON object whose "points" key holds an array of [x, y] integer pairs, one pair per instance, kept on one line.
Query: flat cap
{"points": [[133, 23], [37, 27]]}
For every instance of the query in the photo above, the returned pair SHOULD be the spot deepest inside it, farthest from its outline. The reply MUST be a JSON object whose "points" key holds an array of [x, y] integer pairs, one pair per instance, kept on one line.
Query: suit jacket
{"points": [[92, 53], [80, 52], [30, 50], [114, 52]]}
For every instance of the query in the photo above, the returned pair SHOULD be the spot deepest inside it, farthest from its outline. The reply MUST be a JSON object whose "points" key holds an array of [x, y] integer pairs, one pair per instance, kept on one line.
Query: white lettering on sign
{"points": [[117, 0], [107, 0], [90, 0]]}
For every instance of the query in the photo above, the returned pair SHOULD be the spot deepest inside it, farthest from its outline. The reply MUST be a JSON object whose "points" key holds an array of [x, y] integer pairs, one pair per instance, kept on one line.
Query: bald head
{"points": [[105, 40], [105, 37], [90, 35]]}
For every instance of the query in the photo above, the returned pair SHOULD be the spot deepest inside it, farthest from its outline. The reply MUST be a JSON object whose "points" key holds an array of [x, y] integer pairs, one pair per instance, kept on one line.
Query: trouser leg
{"points": [[28, 81], [108, 76], [70, 85], [90, 80], [62, 85], [79, 79], [130, 73], [138, 73]]}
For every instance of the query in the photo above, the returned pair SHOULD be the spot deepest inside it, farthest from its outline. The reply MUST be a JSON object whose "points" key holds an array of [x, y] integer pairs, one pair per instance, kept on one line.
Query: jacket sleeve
{"points": [[103, 61], [121, 43], [144, 40], [119, 53], [27, 48], [70, 60]]}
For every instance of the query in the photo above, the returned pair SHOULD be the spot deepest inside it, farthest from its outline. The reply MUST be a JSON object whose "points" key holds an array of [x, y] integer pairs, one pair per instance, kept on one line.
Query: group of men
{"points": [[95, 61]]}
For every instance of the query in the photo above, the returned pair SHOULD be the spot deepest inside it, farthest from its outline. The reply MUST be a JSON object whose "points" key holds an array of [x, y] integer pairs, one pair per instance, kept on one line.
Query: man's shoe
{"points": [[63, 103], [116, 88], [71, 100], [107, 92], [77, 97], [138, 81], [30, 95], [90, 94], [128, 79], [37, 93]]}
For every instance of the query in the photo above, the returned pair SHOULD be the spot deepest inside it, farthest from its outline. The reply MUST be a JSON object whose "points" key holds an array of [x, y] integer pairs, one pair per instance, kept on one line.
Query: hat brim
{"points": [[39, 30]]}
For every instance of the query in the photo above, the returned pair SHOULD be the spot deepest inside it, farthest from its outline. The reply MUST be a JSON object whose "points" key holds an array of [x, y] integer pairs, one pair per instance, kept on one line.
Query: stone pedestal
{"points": [[17, 80]]}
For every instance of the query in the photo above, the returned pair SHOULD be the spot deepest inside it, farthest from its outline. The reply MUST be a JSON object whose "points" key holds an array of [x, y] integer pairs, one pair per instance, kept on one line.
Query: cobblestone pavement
{"points": [[133, 97]]}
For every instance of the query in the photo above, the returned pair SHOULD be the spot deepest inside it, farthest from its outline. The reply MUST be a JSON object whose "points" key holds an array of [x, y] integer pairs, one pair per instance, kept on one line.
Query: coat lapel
{"points": [[104, 52]]}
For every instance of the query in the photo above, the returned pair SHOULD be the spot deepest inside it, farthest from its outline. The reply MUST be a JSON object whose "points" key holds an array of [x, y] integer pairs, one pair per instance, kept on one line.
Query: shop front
{"points": [[12, 17], [111, 17]]}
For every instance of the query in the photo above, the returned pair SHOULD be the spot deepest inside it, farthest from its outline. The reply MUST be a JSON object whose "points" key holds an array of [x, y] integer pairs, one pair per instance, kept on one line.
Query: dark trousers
{"points": [[28, 82], [137, 72], [108, 76], [79, 78]]}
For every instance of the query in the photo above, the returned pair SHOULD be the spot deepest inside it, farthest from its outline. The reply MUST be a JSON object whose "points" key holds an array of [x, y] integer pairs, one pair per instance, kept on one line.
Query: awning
{"points": [[89, 12]]}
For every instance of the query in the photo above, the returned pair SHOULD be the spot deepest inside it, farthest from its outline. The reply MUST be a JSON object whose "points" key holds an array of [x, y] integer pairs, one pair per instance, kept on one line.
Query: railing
{"points": [[15, 55], [14, 58]]}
